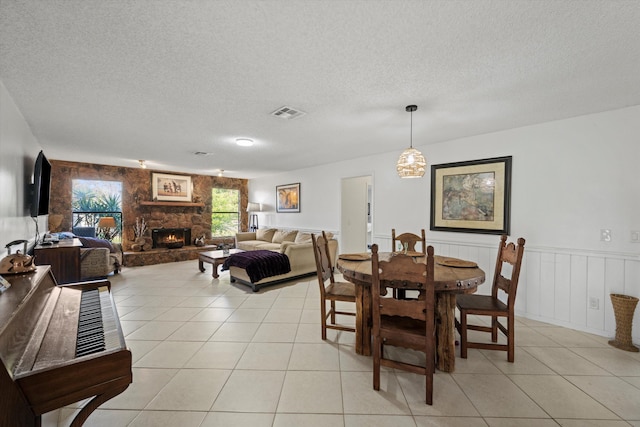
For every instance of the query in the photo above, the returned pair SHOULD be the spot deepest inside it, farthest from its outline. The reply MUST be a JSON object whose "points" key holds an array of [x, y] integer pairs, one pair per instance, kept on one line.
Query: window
{"points": [[225, 212], [92, 200]]}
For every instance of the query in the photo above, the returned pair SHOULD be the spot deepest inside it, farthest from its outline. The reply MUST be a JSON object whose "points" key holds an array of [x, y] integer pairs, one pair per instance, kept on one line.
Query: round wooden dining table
{"points": [[451, 276]]}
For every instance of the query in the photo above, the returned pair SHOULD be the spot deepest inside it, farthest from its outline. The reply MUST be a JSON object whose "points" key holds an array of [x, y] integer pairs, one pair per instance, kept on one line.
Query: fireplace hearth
{"points": [[170, 238]]}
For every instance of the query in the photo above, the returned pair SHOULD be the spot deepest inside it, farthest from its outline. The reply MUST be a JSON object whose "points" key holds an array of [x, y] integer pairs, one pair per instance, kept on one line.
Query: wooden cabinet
{"points": [[64, 259]]}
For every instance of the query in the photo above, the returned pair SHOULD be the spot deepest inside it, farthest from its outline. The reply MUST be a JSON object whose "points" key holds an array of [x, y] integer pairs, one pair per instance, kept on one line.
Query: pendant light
{"points": [[411, 163]]}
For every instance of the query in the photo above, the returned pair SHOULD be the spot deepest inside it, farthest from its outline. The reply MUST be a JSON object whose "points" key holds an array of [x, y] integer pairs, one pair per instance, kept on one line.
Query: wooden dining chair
{"points": [[411, 240], [330, 290], [492, 305], [406, 323]]}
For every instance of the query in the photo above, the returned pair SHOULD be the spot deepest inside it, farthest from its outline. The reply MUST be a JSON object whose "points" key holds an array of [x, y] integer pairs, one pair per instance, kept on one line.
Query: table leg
{"points": [[201, 265], [445, 331], [366, 322], [363, 328], [216, 263]]}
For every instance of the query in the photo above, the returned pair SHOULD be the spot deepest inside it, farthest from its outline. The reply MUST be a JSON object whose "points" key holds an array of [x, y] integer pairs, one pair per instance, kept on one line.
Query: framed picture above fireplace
{"points": [[172, 188]]}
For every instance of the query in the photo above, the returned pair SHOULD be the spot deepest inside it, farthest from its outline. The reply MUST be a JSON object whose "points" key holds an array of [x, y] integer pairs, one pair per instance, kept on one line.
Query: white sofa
{"points": [[296, 245]]}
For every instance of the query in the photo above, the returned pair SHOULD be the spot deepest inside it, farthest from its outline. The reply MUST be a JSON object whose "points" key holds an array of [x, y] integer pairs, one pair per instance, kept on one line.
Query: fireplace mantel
{"points": [[180, 204]]}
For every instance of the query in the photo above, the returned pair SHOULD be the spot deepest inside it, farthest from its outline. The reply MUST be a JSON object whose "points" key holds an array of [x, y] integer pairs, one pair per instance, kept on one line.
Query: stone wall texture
{"points": [[136, 188]]}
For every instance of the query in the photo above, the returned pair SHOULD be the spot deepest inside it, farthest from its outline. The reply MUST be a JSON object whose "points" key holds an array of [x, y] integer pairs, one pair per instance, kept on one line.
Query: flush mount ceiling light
{"points": [[142, 164], [411, 163], [244, 142]]}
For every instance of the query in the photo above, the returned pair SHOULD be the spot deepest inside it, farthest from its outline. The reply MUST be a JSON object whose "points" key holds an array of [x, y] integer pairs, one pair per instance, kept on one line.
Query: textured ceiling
{"points": [[116, 81]]}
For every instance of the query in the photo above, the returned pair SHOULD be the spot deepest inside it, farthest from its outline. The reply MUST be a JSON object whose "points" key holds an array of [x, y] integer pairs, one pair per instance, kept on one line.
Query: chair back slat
{"points": [[504, 284], [413, 309], [410, 239], [508, 254]]}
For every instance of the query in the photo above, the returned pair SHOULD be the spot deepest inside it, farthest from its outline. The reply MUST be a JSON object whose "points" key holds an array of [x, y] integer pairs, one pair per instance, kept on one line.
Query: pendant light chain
{"points": [[411, 131]]}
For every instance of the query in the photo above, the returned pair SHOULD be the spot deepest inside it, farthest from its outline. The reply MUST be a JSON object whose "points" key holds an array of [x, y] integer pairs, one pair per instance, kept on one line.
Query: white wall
{"points": [[18, 152], [570, 179]]}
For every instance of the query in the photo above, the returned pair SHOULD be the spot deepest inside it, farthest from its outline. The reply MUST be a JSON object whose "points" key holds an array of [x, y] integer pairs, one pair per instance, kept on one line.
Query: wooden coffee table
{"points": [[215, 258]]}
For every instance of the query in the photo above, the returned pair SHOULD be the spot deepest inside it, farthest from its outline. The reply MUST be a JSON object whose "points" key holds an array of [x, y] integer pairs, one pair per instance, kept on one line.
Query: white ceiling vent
{"points": [[288, 113]]}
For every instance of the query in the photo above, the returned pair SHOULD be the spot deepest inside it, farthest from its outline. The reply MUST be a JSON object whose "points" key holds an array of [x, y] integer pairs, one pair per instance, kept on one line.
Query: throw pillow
{"points": [[265, 234], [291, 236], [303, 238], [284, 236], [92, 242]]}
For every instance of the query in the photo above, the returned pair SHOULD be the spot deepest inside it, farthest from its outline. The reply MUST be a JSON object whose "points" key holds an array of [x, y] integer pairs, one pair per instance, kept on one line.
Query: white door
{"points": [[354, 210]]}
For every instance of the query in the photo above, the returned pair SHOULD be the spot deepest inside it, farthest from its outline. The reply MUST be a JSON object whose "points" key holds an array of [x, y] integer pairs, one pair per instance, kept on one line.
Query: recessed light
{"points": [[244, 142]]}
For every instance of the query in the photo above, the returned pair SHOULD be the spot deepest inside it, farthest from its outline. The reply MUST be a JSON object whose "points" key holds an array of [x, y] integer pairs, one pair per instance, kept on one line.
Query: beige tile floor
{"points": [[210, 353]]}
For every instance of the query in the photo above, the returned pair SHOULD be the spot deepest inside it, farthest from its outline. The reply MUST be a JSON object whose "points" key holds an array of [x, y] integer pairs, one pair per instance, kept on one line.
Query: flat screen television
{"points": [[41, 186]]}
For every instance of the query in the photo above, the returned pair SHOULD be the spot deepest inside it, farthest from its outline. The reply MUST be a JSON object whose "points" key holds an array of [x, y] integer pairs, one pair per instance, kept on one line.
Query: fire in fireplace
{"points": [[170, 238]]}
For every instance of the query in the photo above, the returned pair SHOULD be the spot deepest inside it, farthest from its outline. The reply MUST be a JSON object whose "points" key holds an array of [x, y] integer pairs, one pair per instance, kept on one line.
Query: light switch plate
{"points": [[635, 236], [605, 235]]}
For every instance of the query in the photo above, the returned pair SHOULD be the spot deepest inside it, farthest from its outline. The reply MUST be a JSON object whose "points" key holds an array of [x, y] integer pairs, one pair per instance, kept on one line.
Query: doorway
{"points": [[356, 225]]}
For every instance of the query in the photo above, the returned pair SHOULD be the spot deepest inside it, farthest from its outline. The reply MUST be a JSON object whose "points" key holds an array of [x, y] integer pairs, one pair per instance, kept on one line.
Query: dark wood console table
{"points": [[64, 258]]}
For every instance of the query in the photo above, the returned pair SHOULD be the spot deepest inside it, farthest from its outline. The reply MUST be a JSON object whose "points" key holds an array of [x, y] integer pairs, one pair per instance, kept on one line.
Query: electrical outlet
{"points": [[635, 236], [594, 303], [605, 235]]}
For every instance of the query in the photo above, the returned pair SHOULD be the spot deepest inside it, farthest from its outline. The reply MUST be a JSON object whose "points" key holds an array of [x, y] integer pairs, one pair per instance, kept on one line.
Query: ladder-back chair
{"points": [[492, 305], [406, 323], [330, 290]]}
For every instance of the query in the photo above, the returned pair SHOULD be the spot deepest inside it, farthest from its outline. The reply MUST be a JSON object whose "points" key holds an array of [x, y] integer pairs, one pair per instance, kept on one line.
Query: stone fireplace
{"points": [[170, 237]]}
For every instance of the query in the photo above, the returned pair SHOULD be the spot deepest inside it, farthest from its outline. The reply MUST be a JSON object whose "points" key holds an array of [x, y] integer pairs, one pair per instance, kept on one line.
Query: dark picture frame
{"points": [[472, 196], [172, 188], [288, 198]]}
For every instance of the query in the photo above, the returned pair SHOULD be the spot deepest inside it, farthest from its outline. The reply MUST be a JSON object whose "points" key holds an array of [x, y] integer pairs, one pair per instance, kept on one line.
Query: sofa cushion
{"points": [[249, 245], [303, 238], [92, 242], [284, 236], [265, 234], [266, 246]]}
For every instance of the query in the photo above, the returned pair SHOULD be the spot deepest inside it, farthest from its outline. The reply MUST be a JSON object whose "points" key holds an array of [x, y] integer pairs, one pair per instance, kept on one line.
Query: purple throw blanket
{"points": [[259, 264]]}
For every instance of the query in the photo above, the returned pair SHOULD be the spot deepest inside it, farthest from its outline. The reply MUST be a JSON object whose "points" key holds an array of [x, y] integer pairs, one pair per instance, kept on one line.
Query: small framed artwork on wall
{"points": [[172, 188], [472, 196], [288, 198]]}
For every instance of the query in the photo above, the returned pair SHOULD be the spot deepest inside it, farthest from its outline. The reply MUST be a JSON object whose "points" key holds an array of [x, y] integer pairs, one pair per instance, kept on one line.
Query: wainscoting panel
{"points": [[578, 273], [614, 281], [529, 286], [595, 289], [562, 276], [557, 284]]}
